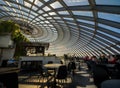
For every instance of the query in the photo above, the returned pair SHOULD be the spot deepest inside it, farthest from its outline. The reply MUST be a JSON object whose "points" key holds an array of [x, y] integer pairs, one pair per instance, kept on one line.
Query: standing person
{"points": [[73, 67]]}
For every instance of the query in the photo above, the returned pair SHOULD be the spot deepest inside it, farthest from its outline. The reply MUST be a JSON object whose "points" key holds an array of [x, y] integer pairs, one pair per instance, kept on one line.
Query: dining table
{"points": [[54, 67]]}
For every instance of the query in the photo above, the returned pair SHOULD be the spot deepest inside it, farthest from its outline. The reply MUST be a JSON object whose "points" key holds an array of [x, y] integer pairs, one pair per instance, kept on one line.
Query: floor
{"points": [[81, 79]]}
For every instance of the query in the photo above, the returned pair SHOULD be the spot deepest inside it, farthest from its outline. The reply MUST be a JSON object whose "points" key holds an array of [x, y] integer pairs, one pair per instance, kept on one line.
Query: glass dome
{"points": [[80, 27]]}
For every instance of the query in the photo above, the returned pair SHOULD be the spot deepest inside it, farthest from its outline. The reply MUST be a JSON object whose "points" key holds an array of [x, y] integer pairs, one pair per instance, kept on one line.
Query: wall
{"points": [[44, 59], [8, 53]]}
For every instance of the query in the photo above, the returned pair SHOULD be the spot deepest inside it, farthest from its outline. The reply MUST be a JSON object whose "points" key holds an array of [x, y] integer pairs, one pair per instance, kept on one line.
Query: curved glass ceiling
{"points": [[76, 27]]}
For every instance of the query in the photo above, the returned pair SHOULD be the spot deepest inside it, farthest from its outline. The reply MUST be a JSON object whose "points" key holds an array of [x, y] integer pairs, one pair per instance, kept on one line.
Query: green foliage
{"points": [[16, 35], [8, 26], [13, 28]]}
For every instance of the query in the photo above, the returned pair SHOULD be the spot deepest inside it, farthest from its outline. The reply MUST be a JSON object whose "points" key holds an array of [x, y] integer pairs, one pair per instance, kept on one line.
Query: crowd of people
{"points": [[104, 59]]}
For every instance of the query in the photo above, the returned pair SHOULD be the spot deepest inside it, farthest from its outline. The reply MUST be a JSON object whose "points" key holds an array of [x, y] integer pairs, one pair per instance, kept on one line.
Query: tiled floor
{"points": [[80, 80]]}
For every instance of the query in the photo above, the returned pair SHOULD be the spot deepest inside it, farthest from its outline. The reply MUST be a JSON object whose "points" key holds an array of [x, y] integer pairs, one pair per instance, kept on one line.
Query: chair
{"points": [[62, 74], [50, 62], [114, 83], [43, 75], [9, 80], [99, 75]]}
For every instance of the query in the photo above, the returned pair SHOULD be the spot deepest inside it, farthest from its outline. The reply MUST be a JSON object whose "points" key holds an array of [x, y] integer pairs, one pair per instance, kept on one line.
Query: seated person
{"points": [[103, 59]]}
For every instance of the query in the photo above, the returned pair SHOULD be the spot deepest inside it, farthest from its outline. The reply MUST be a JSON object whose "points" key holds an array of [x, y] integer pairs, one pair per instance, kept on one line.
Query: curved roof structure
{"points": [[80, 27]]}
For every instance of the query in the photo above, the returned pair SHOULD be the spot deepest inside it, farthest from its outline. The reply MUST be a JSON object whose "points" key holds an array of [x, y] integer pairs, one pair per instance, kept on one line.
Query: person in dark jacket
{"points": [[72, 67], [103, 59]]}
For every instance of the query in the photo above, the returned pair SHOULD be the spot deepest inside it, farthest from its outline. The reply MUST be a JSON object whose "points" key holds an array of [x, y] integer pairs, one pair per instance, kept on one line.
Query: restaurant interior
{"points": [[59, 44]]}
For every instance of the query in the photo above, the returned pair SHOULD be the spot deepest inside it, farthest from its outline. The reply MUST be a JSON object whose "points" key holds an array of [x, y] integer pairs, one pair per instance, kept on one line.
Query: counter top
{"points": [[4, 70]]}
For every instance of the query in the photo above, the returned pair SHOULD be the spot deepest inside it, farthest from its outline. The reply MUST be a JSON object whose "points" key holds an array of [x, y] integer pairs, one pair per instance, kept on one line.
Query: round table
{"points": [[53, 66]]}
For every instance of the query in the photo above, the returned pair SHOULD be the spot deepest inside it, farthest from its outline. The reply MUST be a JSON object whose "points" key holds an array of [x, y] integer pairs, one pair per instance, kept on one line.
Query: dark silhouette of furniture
{"points": [[62, 74], [114, 83], [43, 75], [99, 75], [9, 80]]}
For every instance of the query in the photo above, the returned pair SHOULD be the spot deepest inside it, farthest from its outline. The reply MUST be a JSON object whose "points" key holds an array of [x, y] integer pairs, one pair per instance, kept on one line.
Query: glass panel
{"points": [[34, 13], [85, 21], [49, 17], [76, 2], [42, 22], [52, 13], [25, 14], [8, 3], [68, 18], [38, 3], [108, 16], [57, 18], [108, 2], [27, 4], [83, 13], [31, 0], [56, 5], [46, 8], [71, 23], [47, 22], [37, 19], [111, 36], [14, 5], [115, 50], [32, 16], [109, 28], [46, 0], [42, 18], [34, 8], [2, 2], [20, 1], [102, 43], [105, 39], [63, 12], [87, 27], [45, 15], [40, 11]]}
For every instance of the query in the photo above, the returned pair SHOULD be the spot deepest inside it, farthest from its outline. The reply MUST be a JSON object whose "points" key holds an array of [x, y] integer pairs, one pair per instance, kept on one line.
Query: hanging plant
{"points": [[12, 28], [9, 27]]}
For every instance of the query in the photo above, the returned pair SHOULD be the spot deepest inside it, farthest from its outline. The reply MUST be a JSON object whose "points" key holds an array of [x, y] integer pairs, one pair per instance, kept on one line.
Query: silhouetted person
{"points": [[72, 67], [103, 59]]}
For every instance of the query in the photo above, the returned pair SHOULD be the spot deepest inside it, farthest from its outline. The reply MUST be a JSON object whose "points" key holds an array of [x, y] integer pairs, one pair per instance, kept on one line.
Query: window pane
{"points": [[85, 21], [27, 4], [83, 13], [46, 8], [76, 2], [112, 17], [56, 5], [108, 2], [63, 12], [109, 28]]}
